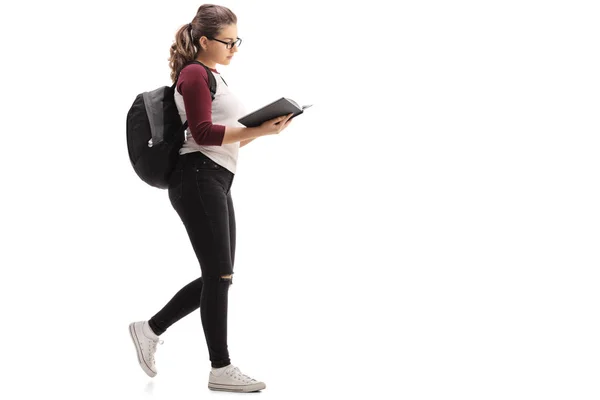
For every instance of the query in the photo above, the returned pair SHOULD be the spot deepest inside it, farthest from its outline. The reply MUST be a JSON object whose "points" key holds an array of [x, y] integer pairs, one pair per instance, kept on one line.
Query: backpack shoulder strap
{"points": [[212, 83]]}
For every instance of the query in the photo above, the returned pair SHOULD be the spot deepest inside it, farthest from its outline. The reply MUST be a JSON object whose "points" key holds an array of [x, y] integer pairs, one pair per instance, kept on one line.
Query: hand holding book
{"points": [[276, 125]]}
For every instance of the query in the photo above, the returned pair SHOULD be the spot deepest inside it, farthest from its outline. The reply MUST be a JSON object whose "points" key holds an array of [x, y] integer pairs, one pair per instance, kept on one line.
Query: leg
{"points": [[187, 299], [183, 303], [232, 232], [214, 297], [203, 208], [213, 311]]}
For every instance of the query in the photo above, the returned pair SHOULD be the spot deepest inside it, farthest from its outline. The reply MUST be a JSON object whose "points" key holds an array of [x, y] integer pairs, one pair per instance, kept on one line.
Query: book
{"points": [[278, 108]]}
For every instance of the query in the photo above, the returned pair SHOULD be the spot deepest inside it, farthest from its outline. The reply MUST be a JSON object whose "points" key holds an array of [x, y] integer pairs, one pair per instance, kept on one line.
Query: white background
{"points": [[429, 229]]}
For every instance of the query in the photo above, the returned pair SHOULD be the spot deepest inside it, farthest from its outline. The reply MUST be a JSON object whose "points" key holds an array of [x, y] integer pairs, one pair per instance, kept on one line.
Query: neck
{"points": [[208, 63]]}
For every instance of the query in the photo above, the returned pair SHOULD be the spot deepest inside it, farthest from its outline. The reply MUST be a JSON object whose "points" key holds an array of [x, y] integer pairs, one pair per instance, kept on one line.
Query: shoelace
{"points": [[153, 344], [237, 374]]}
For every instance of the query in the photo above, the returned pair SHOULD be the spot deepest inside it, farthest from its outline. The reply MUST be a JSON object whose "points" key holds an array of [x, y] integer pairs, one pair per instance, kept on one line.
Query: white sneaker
{"points": [[145, 342], [230, 379]]}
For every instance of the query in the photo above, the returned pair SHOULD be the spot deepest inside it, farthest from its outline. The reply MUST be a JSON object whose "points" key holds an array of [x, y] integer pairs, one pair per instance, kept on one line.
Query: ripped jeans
{"points": [[199, 191]]}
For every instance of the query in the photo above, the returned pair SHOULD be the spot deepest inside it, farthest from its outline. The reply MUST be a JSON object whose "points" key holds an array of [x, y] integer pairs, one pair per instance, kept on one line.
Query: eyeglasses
{"points": [[230, 45]]}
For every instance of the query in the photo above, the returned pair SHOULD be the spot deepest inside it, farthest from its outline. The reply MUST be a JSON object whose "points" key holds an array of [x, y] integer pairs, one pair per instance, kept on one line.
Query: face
{"points": [[218, 52]]}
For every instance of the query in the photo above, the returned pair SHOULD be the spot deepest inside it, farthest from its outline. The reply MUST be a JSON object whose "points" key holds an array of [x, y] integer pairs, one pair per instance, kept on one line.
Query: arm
{"points": [[245, 142], [193, 86]]}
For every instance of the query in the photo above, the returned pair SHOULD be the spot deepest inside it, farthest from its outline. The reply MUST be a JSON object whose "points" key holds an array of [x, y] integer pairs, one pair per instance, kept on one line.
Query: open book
{"points": [[278, 108]]}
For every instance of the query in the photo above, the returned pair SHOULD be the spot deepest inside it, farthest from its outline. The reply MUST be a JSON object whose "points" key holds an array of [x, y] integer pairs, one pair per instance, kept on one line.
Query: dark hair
{"points": [[209, 21]]}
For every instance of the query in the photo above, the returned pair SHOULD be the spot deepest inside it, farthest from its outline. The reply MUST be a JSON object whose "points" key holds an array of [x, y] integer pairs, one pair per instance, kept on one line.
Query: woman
{"points": [[199, 190]]}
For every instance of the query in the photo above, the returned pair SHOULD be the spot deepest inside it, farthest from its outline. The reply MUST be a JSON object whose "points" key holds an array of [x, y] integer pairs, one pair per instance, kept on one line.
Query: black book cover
{"points": [[278, 108]]}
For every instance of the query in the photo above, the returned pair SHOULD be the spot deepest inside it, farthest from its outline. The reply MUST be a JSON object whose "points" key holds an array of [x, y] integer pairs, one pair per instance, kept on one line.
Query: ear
{"points": [[203, 43]]}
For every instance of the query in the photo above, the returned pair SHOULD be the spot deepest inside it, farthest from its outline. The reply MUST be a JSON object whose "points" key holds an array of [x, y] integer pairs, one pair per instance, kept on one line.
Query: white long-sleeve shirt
{"points": [[206, 119]]}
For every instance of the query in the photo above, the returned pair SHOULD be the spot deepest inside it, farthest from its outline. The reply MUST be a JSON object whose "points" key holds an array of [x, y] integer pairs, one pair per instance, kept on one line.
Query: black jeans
{"points": [[199, 190]]}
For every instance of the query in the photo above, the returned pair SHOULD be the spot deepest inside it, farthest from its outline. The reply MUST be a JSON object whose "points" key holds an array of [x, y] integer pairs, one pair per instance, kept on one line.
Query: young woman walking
{"points": [[199, 190]]}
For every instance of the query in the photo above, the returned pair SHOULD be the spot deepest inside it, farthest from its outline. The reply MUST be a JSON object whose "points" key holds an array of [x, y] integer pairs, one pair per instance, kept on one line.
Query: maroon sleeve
{"points": [[193, 86]]}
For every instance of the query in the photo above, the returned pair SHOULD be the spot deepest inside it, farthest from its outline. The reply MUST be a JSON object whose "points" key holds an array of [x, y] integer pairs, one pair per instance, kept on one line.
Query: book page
{"points": [[294, 103]]}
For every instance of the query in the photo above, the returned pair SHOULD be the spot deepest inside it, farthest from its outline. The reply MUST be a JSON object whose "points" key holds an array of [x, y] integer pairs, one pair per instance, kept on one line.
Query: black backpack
{"points": [[155, 132]]}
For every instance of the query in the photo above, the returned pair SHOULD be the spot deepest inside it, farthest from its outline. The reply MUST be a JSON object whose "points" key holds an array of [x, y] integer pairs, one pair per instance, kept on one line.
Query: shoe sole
{"points": [[236, 388], [138, 350]]}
